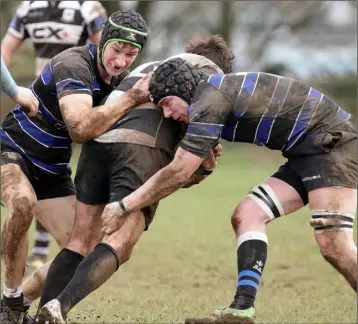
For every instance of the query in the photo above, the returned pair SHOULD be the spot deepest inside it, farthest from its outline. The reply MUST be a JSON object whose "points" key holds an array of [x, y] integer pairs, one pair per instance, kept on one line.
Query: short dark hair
{"points": [[214, 48]]}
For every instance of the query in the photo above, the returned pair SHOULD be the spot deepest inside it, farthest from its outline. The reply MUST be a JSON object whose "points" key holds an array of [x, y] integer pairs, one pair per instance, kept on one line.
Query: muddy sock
{"points": [[92, 272], [60, 273], [251, 259], [15, 303]]}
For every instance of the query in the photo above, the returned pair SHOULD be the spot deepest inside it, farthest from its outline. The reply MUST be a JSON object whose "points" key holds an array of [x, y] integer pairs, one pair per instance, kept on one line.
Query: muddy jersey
{"points": [[54, 26], [146, 125], [44, 139], [258, 108]]}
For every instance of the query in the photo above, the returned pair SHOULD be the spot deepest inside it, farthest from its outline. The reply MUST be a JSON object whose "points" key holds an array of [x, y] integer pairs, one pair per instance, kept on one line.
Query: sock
{"points": [[60, 273], [93, 271], [13, 298], [42, 241], [251, 259], [12, 292]]}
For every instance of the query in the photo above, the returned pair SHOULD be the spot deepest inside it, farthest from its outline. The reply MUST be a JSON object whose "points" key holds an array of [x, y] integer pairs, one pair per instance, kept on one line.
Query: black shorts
{"points": [[322, 160], [46, 185], [108, 172]]}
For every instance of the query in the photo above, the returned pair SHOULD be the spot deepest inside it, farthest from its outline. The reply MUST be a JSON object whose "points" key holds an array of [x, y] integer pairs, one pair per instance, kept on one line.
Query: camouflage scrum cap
{"points": [[175, 77], [126, 26]]}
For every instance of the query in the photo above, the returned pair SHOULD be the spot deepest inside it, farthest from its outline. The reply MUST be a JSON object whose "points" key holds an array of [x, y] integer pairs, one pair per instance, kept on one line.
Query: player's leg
{"points": [[92, 192], [95, 269], [281, 194], [18, 195], [58, 216], [85, 235], [333, 203], [129, 171], [333, 212], [40, 249]]}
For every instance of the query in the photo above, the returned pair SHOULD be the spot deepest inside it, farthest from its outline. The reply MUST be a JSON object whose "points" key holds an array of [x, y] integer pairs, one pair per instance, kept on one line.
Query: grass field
{"points": [[185, 265]]}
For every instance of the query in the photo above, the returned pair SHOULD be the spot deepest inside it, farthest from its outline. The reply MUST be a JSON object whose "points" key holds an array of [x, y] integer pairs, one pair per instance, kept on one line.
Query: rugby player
{"points": [[35, 152], [312, 131], [51, 27]]}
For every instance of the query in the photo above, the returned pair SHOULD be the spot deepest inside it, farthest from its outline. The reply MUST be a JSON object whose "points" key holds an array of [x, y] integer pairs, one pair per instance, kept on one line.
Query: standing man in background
{"points": [[52, 27]]}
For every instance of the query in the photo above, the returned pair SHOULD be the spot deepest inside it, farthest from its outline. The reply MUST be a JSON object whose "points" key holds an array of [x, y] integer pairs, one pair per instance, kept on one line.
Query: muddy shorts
{"points": [[108, 172], [46, 185], [326, 159]]}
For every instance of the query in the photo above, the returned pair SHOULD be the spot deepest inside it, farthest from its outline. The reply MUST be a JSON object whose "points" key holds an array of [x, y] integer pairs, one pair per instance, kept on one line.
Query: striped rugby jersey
{"points": [[54, 26], [258, 108], [44, 139]]}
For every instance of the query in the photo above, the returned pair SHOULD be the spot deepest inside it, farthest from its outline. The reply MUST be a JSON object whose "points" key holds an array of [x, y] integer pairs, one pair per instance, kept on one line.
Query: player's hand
{"points": [[141, 88], [217, 151], [113, 218], [25, 97]]}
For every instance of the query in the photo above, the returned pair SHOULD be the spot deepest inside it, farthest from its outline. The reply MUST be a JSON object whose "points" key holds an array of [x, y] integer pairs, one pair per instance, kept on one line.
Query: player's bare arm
{"points": [[85, 122], [9, 46]]}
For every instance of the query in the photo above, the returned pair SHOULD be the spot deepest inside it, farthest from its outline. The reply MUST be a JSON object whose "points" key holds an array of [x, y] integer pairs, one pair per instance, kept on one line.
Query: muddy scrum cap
{"points": [[126, 26], [175, 77]]}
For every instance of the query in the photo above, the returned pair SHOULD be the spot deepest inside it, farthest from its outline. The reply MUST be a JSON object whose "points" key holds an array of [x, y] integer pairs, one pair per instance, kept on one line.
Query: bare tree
{"points": [[227, 19]]}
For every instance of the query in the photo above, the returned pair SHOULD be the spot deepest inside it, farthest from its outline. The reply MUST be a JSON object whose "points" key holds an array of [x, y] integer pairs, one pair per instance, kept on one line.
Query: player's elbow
{"points": [[181, 174], [78, 134]]}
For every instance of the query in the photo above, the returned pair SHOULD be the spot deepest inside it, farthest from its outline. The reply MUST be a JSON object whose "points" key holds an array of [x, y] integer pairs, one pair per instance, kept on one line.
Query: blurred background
{"points": [[186, 262], [315, 41]]}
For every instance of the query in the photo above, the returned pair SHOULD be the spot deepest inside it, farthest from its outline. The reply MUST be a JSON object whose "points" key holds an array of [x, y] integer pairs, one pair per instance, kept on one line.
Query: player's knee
{"points": [[253, 211], [16, 194], [22, 207], [124, 239], [122, 244], [237, 215], [334, 247], [329, 250], [81, 244], [334, 233], [259, 207], [123, 249]]}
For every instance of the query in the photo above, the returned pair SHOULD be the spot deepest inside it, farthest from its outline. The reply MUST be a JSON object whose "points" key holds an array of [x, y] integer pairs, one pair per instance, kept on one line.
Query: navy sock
{"points": [[251, 259], [60, 273], [92, 272]]}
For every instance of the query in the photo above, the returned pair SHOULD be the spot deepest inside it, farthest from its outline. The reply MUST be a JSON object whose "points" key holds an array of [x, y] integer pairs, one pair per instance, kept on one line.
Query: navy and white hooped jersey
{"points": [[54, 26], [44, 139], [258, 108]]}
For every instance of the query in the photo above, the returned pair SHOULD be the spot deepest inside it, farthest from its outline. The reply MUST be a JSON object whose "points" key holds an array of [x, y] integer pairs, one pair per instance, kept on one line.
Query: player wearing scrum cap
{"points": [[36, 151], [312, 131]]}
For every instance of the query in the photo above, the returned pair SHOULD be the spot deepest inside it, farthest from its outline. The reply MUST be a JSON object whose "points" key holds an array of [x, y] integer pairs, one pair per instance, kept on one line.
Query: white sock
{"points": [[12, 292]]}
